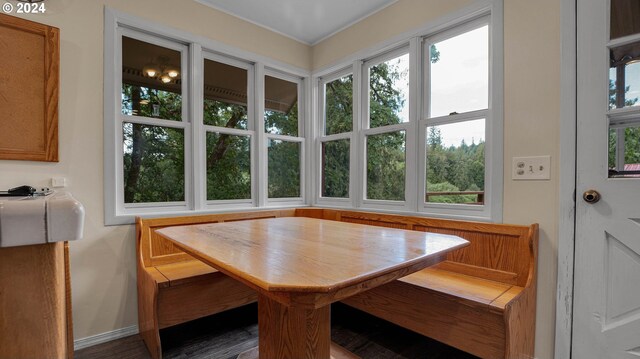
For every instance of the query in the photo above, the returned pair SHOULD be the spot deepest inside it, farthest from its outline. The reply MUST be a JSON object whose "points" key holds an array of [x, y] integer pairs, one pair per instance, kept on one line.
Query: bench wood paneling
{"points": [[481, 299], [174, 287]]}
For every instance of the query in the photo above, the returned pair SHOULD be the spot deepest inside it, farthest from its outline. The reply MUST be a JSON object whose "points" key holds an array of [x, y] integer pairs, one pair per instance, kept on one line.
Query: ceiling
{"points": [[308, 21]]}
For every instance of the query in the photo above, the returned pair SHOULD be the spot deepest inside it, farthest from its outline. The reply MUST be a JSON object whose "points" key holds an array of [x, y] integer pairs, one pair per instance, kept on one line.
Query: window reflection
{"points": [[281, 106], [225, 95], [151, 80]]}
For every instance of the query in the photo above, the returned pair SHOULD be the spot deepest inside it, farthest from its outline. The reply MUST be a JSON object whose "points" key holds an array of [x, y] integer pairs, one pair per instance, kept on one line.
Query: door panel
{"points": [[606, 318]]}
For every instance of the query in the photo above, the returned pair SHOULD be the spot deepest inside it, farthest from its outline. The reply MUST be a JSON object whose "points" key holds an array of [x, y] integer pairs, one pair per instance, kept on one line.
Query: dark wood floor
{"points": [[225, 335]]}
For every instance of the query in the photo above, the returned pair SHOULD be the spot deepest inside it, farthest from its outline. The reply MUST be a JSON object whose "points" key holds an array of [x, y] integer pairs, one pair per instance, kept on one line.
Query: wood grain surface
{"points": [[29, 87], [297, 254], [301, 265], [32, 302], [292, 332], [482, 299]]}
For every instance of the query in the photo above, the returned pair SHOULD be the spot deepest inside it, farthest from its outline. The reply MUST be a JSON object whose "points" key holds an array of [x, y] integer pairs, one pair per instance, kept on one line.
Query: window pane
{"points": [[389, 92], [459, 77], [284, 169], [631, 152], [335, 169], [280, 106], [225, 95], [228, 166], [386, 164], [339, 105], [455, 163], [625, 18], [151, 80], [153, 163], [624, 76]]}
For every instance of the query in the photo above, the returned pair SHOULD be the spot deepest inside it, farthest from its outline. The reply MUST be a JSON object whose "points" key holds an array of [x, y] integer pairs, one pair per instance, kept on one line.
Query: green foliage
{"points": [[283, 169], [612, 96], [385, 101], [153, 163], [631, 134], [339, 105], [335, 169], [153, 156], [282, 123], [228, 167], [453, 168], [283, 157], [434, 54], [222, 114], [386, 165], [448, 187]]}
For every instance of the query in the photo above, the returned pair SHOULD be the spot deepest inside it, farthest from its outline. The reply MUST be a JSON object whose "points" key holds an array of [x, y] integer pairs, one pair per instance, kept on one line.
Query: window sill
{"points": [[130, 218]]}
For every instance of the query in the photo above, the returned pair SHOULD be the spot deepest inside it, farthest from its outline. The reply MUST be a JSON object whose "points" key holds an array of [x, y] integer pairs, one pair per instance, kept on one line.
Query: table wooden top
{"points": [[299, 254]]}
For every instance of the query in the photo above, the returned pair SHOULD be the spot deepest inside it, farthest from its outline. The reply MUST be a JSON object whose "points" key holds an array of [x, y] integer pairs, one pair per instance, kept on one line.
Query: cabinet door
{"points": [[29, 81]]}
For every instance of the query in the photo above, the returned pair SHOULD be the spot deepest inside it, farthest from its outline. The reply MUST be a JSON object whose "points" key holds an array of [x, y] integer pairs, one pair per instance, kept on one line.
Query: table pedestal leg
{"points": [[291, 332]]}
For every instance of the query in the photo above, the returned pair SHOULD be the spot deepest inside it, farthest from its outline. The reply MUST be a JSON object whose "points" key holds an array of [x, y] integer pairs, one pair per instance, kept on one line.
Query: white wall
{"points": [[103, 264]]}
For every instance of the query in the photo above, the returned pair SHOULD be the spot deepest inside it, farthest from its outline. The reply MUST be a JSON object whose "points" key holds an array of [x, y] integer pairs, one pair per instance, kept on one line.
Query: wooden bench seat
{"points": [[469, 290], [481, 299], [186, 272], [174, 287]]}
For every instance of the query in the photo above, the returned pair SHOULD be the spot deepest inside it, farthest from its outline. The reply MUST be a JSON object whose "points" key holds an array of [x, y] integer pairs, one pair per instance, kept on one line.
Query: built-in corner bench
{"points": [[482, 299]]}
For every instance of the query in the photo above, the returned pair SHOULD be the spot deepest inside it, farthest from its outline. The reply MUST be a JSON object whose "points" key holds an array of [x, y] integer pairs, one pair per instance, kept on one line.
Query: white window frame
{"points": [[366, 130], [488, 11], [196, 48], [427, 121], [184, 124], [249, 132], [322, 138], [302, 107]]}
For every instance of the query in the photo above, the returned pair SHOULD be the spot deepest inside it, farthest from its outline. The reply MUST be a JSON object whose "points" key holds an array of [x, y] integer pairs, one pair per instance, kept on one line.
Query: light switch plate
{"points": [[531, 168], [58, 182]]}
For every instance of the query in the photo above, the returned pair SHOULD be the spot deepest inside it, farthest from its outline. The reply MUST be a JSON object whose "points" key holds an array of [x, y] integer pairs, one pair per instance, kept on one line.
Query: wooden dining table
{"points": [[300, 265]]}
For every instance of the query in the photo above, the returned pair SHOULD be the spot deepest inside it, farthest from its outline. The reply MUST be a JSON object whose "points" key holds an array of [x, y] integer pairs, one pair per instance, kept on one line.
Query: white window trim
{"points": [[197, 47], [426, 121], [302, 117], [490, 11], [184, 124], [366, 130], [321, 82], [203, 130]]}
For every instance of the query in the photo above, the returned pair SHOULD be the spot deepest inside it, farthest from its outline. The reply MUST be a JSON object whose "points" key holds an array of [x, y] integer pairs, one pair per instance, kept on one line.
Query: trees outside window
{"points": [[153, 130]]}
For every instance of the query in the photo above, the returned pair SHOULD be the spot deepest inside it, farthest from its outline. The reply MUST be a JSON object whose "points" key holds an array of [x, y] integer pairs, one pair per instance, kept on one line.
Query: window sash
{"points": [[365, 85], [443, 36], [445, 120], [121, 118], [253, 160]]}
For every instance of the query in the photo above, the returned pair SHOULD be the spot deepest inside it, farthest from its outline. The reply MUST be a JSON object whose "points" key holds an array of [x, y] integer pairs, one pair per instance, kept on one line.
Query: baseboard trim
{"points": [[104, 337]]}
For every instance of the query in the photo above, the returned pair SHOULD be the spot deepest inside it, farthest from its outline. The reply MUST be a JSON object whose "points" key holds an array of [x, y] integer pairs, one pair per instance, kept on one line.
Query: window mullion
{"points": [[360, 122], [620, 148], [198, 148], [260, 152], [412, 139], [153, 121]]}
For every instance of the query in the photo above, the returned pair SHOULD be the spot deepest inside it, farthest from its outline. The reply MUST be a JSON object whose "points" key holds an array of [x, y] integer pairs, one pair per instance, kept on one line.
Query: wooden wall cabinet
{"points": [[29, 86]]}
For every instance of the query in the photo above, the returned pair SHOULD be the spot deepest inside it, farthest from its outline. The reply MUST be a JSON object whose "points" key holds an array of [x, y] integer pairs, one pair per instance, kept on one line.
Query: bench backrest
{"points": [[154, 250], [500, 252]]}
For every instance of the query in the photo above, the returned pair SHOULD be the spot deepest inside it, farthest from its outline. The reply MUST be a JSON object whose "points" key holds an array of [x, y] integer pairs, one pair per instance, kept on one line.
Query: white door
{"points": [[606, 317]]}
